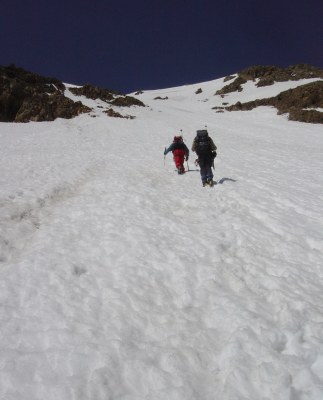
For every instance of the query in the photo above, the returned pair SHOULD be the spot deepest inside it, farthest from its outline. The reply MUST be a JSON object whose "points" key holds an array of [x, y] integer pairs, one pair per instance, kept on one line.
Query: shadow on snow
{"points": [[221, 181]]}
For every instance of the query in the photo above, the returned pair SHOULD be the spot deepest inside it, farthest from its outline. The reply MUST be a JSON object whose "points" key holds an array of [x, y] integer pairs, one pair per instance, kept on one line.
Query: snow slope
{"points": [[120, 279]]}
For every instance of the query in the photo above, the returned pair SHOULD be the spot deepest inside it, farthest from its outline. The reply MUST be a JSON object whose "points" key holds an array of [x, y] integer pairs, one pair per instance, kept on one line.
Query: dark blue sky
{"points": [[129, 45]]}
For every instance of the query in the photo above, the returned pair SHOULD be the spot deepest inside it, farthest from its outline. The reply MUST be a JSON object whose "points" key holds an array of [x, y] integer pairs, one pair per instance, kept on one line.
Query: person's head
{"points": [[178, 139]]}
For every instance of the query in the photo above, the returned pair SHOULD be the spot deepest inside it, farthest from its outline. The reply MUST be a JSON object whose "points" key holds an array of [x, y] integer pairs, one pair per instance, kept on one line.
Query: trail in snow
{"points": [[122, 280]]}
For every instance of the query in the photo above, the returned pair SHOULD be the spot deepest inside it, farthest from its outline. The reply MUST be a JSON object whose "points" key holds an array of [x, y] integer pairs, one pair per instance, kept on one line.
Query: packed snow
{"points": [[122, 280]]}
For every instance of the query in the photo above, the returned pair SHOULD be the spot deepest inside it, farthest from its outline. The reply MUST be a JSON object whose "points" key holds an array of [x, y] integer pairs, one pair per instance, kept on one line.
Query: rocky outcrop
{"points": [[234, 86], [94, 92], [47, 108], [127, 101], [228, 78], [268, 75], [109, 96], [112, 113], [300, 103], [25, 96]]}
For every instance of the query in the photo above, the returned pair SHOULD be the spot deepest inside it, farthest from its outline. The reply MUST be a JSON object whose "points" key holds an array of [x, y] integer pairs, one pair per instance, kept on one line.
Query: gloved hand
{"points": [[186, 158], [213, 154]]}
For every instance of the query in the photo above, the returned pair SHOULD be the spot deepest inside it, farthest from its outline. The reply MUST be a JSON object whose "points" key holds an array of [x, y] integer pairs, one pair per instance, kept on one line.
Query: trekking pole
{"points": [[188, 168], [164, 157]]}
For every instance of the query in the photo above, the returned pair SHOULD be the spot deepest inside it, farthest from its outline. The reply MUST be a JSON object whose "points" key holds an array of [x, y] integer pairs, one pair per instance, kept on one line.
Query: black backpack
{"points": [[202, 143]]}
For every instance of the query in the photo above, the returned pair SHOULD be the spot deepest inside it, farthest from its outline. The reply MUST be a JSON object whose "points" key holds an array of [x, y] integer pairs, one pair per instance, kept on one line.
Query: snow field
{"points": [[122, 280]]}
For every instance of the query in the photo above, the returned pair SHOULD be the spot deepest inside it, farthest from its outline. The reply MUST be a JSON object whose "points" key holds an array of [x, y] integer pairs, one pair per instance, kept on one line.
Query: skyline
{"points": [[129, 46]]}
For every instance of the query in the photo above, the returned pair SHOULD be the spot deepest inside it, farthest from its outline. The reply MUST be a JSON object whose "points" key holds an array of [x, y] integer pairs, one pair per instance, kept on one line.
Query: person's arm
{"points": [[187, 152], [194, 145], [170, 148], [213, 146]]}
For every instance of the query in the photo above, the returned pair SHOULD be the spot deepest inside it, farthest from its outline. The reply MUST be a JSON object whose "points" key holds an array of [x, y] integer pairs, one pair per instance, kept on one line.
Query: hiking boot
{"points": [[204, 184], [210, 182]]}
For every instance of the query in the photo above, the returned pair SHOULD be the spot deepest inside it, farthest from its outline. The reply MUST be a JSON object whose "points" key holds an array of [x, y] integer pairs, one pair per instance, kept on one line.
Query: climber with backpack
{"points": [[180, 152], [205, 149]]}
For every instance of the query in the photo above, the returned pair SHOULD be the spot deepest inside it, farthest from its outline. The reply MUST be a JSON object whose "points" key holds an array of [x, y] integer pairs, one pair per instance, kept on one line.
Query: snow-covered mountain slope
{"points": [[120, 279], [207, 92]]}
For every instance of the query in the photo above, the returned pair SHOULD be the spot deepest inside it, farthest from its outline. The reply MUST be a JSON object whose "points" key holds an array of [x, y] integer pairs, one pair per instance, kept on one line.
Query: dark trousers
{"points": [[206, 172]]}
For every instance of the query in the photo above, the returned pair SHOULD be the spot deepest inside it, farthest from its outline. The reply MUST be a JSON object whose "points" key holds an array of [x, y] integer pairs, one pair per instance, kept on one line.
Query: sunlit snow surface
{"points": [[120, 279]]}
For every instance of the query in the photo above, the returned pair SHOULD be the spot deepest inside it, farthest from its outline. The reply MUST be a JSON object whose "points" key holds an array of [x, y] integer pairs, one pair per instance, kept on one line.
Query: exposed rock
{"points": [[112, 113], [26, 96], [139, 92], [260, 71], [94, 92], [110, 96], [311, 116], [127, 101], [199, 90], [305, 96], [16, 76], [161, 98], [228, 78], [298, 102], [268, 75], [47, 108], [234, 86]]}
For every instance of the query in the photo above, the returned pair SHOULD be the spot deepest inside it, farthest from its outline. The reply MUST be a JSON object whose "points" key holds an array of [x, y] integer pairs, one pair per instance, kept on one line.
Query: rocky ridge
{"points": [[109, 96], [301, 103], [26, 96]]}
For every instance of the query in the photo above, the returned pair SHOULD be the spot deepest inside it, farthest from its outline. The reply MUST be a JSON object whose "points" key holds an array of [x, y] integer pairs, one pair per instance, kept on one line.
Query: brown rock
{"points": [[269, 74], [26, 96], [234, 86], [94, 92], [127, 101], [296, 102]]}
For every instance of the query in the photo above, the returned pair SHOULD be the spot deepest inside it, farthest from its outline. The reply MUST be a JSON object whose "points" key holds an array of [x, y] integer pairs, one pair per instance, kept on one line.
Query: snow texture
{"points": [[120, 279]]}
